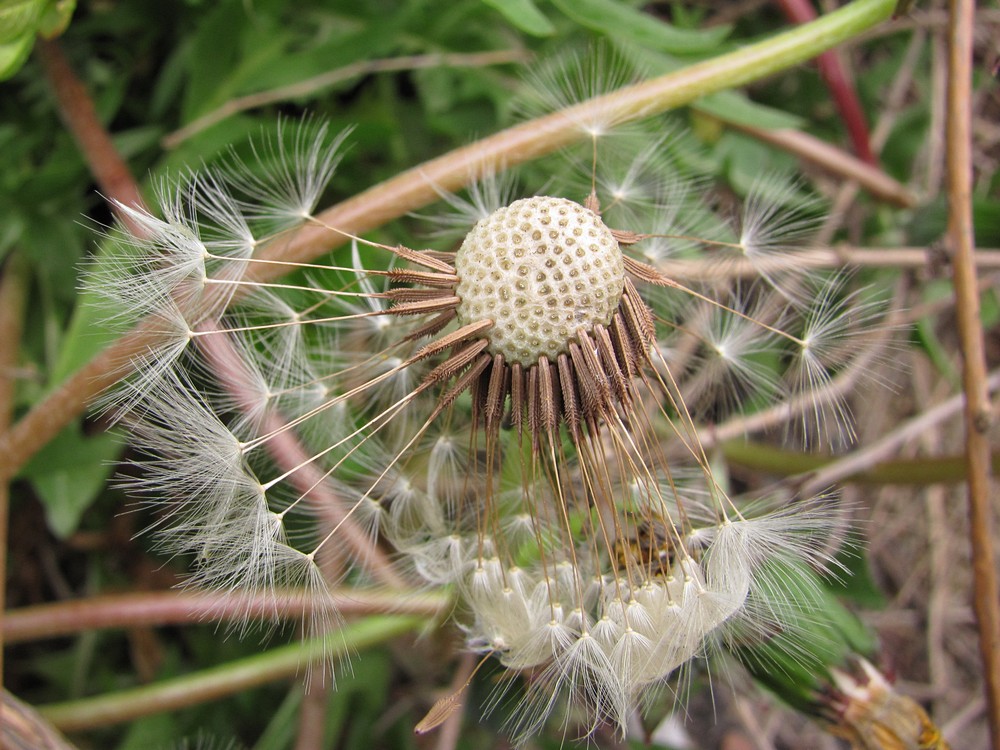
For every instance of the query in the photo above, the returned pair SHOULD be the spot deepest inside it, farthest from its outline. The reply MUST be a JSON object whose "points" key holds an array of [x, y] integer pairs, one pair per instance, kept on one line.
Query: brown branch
{"points": [[185, 608], [977, 400], [867, 457], [834, 160], [835, 76], [710, 269], [118, 184], [313, 711], [893, 104], [12, 306], [290, 455], [80, 117]]}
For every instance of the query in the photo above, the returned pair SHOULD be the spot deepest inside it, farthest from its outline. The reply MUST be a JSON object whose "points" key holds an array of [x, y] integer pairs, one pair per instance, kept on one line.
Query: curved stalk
{"points": [[209, 684], [151, 609]]}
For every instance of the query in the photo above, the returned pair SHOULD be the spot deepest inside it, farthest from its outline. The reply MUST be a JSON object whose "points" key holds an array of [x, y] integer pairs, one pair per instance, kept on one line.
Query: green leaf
{"points": [[282, 725], [524, 15], [56, 18], [13, 54], [290, 68], [19, 17], [745, 159], [150, 731], [728, 106], [21, 21], [733, 106], [69, 473], [816, 634], [631, 26]]}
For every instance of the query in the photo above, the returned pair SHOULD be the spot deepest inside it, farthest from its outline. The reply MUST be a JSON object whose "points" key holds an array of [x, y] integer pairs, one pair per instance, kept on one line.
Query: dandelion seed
{"points": [[502, 415], [561, 83]]}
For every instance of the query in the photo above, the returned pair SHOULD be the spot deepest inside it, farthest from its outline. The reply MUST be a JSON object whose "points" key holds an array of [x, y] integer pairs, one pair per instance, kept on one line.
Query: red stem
{"points": [[307, 477], [834, 74]]}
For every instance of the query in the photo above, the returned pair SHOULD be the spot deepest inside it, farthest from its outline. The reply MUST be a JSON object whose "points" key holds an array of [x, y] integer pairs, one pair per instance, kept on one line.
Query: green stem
{"points": [[209, 684], [787, 463]]}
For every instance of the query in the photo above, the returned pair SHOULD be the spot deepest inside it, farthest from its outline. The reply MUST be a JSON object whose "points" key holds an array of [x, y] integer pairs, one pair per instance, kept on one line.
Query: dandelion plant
{"points": [[516, 414], [509, 398]]}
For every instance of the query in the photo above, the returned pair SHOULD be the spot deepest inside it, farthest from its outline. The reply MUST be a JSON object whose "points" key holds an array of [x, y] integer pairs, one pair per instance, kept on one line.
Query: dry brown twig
{"points": [[886, 446], [836, 161], [880, 133], [12, 301], [179, 607], [23, 729], [112, 174], [978, 413]]}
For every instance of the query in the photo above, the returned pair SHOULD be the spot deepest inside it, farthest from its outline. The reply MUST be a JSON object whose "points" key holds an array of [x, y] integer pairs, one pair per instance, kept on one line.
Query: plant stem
{"points": [[786, 463], [23, 729], [177, 608], [210, 684], [420, 186], [685, 269], [12, 301], [834, 160], [977, 401], [832, 69], [889, 443], [291, 456], [78, 113]]}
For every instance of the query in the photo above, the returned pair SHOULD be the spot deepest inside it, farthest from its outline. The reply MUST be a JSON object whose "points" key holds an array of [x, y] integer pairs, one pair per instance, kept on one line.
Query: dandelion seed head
{"points": [[519, 420], [540, 268]]}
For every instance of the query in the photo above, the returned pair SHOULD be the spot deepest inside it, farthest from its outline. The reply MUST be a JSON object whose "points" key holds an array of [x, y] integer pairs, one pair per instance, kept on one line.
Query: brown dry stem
{"points": [[80, 117], [12, 299], [977, 400], [148, 609], [23, 729]]}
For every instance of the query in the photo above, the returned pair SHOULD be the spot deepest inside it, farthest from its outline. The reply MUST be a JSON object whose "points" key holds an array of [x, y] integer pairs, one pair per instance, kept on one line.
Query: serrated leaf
{"points": [[524, 15], [631, 26]]}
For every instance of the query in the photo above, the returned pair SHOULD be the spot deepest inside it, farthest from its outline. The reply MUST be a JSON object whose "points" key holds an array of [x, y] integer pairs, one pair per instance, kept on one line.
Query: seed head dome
{"points": [[541, 268]]}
